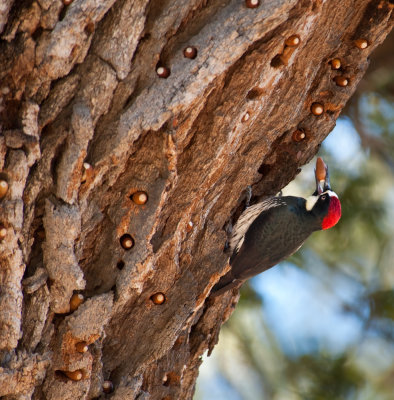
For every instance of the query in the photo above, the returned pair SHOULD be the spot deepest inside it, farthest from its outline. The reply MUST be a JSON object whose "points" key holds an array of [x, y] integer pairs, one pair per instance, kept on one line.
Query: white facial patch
{"points": [[331, 193], [311, 200]]}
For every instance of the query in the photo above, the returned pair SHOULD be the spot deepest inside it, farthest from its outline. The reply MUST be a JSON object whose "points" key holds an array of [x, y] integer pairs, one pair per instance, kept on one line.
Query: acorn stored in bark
{"points": [[74, 375], [163, 72], [190, 52], [139, 197], [76, 300], [361, 43], [81, 347], [298, 135], [341, 81], [87, 169], [293, 41], [158, 298], [245, 117], [126, 241], [335, 63], [252, 3], [189, 226], [317, 109], [3, 188], [108, 387]]}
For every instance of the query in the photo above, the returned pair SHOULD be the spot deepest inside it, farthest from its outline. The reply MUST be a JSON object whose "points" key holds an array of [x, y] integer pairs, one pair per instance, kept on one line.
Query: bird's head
{"points": [[324, 203]]}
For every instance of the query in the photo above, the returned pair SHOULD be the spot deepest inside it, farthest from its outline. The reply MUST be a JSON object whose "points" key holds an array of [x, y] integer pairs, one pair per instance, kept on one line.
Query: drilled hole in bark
{"points": [[129, 100], [89, 28], [254, 93], [147, 36], [276, 62], [56, 159], [120, 265], [59, 375], [171, 379], [63, 13], [264, 169], [10, 115], [75, 51], [37, 33]]}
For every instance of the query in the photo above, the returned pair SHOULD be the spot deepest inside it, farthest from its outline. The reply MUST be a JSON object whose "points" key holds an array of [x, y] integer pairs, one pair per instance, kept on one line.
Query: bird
{"points": [[272, 230]]}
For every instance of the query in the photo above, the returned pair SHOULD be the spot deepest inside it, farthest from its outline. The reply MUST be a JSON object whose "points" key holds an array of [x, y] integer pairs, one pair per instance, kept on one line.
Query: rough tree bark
{"points": [[79, 88]]}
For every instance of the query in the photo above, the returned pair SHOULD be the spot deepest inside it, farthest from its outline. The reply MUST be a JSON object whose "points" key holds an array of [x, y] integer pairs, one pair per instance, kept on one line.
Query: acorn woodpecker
{"points": [[268, 232]]}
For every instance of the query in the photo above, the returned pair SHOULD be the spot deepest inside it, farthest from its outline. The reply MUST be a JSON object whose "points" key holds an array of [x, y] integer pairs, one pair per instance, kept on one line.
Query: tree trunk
{"points": [[87, 122]]}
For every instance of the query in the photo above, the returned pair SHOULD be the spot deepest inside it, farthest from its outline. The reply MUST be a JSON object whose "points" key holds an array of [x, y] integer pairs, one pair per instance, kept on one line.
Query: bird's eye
{"points": [[323, 197]]}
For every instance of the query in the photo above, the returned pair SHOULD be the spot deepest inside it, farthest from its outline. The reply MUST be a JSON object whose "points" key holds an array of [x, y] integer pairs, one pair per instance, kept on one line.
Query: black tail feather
{"points": [[226, 282]]}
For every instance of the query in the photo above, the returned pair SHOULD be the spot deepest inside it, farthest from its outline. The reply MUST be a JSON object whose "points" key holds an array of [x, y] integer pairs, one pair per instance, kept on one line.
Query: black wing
{"points": [[273, 236]]}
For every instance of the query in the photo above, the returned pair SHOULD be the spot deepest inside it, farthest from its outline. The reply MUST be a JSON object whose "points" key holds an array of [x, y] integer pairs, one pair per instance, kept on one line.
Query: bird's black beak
{"points": [[322, 177]]}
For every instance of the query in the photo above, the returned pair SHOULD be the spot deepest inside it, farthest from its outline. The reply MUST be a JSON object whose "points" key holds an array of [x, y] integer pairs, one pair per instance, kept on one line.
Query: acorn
{"points": [[252, 3], [67, 2], [341, 81], [284, 58], [163, 72], [190, 52], [81, 347], [86, 171], [245, 117], [298, 135], [293, 41], [189, 226], [335, 63], [3, 232], [361, 43], [320, 170], [87, 165], [158, 298], [108, 387], [3, 188], [74, 375], [76, 300], [317, 109], [126, 241], [139, 197]]}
